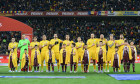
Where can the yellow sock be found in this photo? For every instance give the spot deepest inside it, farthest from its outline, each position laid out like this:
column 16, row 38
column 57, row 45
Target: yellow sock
column 16, row 68
column 119, row 68
column 107, row 65
column 94, row 66
column 82, row 67
column 46, row 66
column 41, row 66
column 31, row 68
column 58, row 66
column 88, row 68
column 104, row 66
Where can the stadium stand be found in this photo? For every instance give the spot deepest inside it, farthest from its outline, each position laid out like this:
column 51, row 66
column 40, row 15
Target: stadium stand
column 70, row 5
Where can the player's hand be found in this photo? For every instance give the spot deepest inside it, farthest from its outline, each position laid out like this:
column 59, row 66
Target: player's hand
column 80, row 46
column 114, row 41
column 45, row 44
column 93, row 44
column 68, row 44
column 122, row 43
column 24, row 43
column 125, row 43
column 102, row 58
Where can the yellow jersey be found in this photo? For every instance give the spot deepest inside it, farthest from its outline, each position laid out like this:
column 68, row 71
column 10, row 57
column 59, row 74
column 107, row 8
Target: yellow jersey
column 90, row 42
column 33, row 44
column 12, row 45
column 68, row 47
column 120, row 42
column 78, row 44
column 42, row 43
column 57, row 46
column 110, row 42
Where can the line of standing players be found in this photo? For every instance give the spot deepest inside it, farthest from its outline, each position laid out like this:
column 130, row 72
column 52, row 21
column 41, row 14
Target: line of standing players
column 71, row 53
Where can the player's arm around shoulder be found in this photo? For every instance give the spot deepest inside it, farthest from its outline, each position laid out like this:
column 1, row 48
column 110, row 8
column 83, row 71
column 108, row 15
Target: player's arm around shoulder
column 61, row 41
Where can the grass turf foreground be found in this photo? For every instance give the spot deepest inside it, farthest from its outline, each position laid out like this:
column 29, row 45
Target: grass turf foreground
column 91, row 77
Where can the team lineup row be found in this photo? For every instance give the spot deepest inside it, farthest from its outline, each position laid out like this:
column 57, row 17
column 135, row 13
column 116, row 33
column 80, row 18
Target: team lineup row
column 119, row 51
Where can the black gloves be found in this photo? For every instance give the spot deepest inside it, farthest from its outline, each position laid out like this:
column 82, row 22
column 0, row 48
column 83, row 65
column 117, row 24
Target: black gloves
column 56, row 42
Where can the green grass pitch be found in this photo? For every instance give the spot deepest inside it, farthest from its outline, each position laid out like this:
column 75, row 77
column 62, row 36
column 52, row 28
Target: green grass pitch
column 91, row 77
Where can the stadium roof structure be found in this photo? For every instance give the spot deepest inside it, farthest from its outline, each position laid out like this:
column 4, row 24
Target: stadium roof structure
column 9, row 24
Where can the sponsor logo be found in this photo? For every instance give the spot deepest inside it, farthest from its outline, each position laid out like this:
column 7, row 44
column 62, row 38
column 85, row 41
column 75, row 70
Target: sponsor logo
column 103, row 13
column 82, row 13
column 21, row 13
column 52, row 13
column 111, row 13
column 36, row 13
column 67, row 13
column 129, row 13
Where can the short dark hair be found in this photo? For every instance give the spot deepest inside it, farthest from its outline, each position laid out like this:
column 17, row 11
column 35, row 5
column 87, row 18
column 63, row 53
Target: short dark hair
column 125, row 41
column 100, row 41
column 73, row 44
column 25, row 49
column 116, row 46
column 50, row 45
column 35, row 45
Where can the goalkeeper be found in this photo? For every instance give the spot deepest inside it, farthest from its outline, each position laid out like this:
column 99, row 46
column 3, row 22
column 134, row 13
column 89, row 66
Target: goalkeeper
column 23, row 44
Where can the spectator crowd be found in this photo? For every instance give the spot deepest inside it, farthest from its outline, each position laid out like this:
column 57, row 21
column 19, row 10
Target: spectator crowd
column 5, row 39
column 69, row 5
